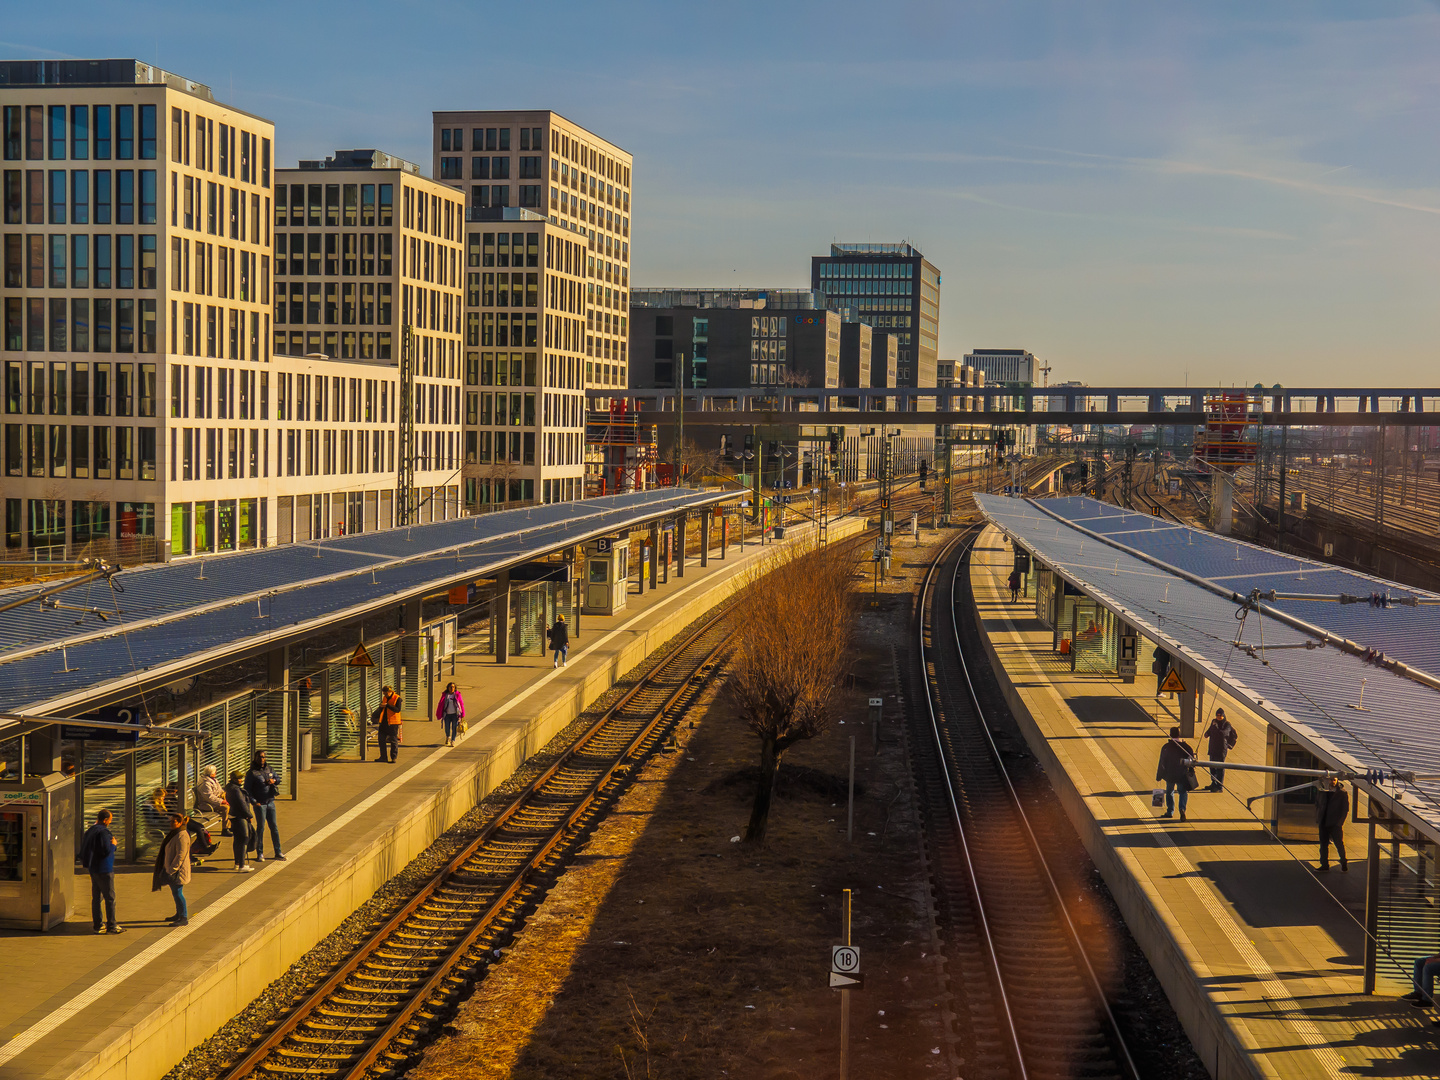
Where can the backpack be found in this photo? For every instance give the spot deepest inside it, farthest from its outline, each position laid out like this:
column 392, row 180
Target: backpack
column 1231, row 738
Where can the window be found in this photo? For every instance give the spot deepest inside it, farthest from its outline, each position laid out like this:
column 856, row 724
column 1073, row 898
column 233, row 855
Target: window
column 12, row 137
column 80, row 197
column 57, row 132
column 147, row 131
column 452, row 168
column 79, row 132
column 500, row 168
column 147, row 195
column 102, row 132
column 125, row 132
column 102, row 196
column 125, row 196
column 387, row 207
column 529, row 166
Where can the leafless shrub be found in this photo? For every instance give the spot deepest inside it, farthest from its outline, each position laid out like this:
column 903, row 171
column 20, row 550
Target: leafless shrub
column 797, row 618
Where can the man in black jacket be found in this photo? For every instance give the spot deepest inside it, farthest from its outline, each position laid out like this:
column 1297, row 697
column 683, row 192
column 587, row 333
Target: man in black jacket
column 97, row 855
column 1221, row 736
column 1332, row 807
column 1175, row 769
column 560, row 641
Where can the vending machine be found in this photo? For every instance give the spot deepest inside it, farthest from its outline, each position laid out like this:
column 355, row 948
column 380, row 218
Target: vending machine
column 37, row 851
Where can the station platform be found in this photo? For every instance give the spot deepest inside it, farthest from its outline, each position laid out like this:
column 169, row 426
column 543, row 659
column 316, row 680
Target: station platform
column 77, row 1005
column 1260, row 956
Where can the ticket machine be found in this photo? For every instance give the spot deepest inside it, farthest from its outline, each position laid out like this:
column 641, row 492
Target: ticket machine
column 37, row 851
column 607, row 570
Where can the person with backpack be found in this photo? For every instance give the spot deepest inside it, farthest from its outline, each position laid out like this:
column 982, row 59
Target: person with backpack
column 1222, row 738
column 387, row 717
column 97, row 855
column 1014, row 583
column 450, row 711
column 172, row 868
column 261, row 787
column 559, row 636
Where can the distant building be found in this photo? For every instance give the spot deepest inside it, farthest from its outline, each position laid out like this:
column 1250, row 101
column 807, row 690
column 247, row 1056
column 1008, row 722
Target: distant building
column 733, row 338
column 1005, row 366
column 889, row 287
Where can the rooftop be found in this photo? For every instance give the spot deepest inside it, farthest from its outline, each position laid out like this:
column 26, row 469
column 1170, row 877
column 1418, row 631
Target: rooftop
column 95, row 73
column 363, row 159
column 758, row 299
column 902, row 250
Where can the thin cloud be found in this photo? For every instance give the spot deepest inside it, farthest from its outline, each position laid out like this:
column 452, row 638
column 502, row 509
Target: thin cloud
column 1146, row 222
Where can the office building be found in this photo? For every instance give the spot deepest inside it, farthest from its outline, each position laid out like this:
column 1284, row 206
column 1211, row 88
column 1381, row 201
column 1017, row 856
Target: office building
column 890, row 287
column 856, row 342
column 1005, row 366
column 547, row 241
column 148, row 414
column 733, row 338
column 137, row 255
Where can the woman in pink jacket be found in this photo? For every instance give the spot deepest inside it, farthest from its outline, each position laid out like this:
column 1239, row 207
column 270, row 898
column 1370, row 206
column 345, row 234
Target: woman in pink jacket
column 450, row 712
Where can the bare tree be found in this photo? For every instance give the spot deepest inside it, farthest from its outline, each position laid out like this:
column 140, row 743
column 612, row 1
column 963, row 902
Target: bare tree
column 796, row 620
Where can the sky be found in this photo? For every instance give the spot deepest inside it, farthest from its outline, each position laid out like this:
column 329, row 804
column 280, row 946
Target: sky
column 1138, row 193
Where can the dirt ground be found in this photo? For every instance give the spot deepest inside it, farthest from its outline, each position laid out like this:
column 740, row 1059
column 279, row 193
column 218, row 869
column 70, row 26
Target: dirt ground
column 670, row 949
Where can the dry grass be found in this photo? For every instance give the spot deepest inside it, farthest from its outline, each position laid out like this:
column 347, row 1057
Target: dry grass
column 669, row 951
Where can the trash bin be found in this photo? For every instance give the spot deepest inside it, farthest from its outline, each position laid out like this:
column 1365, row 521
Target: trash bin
column 779, row 532
column 307, row 749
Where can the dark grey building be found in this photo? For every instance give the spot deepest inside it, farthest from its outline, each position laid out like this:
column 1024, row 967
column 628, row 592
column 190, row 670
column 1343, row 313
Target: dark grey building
column 889, row 287
column 855, row 345
column 732, row 338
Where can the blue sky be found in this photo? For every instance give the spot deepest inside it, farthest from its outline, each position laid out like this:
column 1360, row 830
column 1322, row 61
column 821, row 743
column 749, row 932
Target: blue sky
column 1137, row 192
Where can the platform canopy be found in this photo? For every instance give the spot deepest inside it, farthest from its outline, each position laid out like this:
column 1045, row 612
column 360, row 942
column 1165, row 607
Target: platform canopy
column 180, row 618
column 1185, row 589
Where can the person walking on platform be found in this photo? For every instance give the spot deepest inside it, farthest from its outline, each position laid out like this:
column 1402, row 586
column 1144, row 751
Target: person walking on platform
column 560, row 641
column 389, row 722
column 172, row 868
column 1332, row 807
column 1222, row 738
column 1176, row 771
column 241, row 819
column 450, row 712
column 97, row 855
column 261, row 787
column 1014, row 584
column 210, row 798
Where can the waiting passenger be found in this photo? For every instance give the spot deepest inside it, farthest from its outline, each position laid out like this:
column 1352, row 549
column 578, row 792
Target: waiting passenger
column 210, row 798
column 1423, row 978
column 1014, row 584
column 1332, row 807
column 559, row 636
column 1160, row 665
column 172, row 868
column 1177, row 772
column 1222, row 738
column 241, row 819
column 155, row 817
column 261, row 787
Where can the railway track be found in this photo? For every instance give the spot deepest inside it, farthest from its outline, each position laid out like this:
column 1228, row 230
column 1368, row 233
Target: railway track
column 372, row 1014
column 1030, row 996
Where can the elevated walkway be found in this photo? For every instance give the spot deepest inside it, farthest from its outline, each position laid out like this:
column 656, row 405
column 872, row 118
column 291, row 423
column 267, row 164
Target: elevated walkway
column 1261, row 957
column 77, row 1005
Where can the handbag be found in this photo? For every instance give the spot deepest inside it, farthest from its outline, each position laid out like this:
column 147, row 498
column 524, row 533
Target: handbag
column 1191, row 780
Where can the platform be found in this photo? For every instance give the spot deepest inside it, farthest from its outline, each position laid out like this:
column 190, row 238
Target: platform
column 78, row 1006
column 1260, row 956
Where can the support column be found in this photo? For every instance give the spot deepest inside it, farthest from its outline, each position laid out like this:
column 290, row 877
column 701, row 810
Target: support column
column 278, row 668
column 1190, row 699
column 1222, row 490
column 724, row 535
column 705, row 516
column 654, row 553
column 500, row 617
column 680, row 545
column 1372, row 901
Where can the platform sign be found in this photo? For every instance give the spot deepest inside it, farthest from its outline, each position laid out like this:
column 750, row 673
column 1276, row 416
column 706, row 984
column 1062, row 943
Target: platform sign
column 1127, row 656
column 112, row 715
column 844, row 959
column 1172, row 683
column 846, row 982
column 603, row 545
column 1155, row 510
column 361, row 657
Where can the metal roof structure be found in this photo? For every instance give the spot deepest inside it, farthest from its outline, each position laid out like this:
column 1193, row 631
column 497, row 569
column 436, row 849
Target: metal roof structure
column 1178, row 586
column 180, row 618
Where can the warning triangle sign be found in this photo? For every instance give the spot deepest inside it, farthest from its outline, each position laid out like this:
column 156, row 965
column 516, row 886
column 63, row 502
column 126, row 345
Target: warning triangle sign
column 361, row 657
column 1171, row 685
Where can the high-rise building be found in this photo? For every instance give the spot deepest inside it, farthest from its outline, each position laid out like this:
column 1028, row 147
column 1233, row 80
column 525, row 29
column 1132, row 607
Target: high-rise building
column 137, row 282
column 547, row 282
column 889, row 287
column 149, row 413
